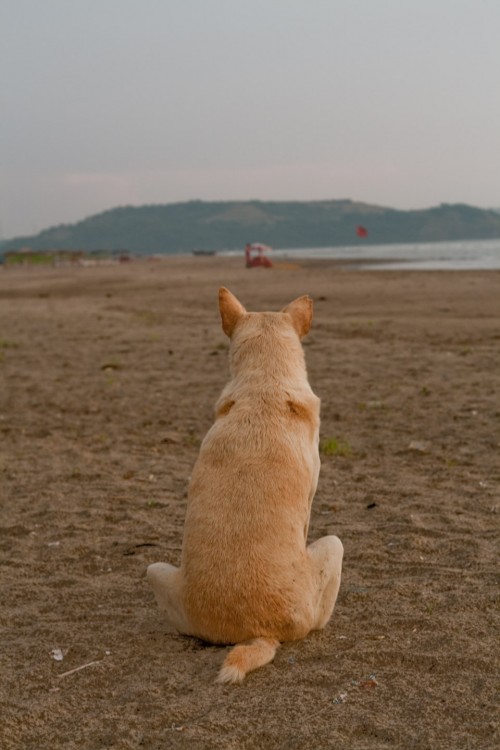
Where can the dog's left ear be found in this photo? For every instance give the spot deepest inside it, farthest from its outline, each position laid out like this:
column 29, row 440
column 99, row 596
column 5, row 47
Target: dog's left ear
column 231, row 310
column 301, row 313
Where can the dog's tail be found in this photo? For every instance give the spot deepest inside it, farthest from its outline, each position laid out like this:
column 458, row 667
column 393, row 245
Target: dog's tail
column 246, row 656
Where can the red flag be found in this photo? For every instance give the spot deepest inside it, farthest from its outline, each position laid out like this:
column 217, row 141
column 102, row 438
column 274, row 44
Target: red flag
column 361, row 231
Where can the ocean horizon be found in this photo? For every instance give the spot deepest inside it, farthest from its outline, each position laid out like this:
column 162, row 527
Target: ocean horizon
column 461, row 255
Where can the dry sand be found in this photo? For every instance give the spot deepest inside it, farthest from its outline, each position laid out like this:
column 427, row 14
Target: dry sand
column 109, row 377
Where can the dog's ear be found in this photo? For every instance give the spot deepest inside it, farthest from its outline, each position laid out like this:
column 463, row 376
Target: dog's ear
column 231, row 310
column 301, row 313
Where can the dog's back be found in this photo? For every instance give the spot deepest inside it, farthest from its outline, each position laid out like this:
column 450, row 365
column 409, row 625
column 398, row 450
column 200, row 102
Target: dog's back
column 246, row 575
column 250, row 492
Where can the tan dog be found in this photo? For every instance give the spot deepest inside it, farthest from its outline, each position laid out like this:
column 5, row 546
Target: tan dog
column 246, row 575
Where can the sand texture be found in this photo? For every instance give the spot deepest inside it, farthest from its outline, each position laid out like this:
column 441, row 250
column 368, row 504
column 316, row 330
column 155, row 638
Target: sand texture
column 108, row 381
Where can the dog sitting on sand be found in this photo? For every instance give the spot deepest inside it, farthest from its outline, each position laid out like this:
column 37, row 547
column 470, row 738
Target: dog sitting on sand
column 246, row 575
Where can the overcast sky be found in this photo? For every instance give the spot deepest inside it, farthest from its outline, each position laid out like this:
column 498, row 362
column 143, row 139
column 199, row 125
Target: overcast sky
column 113, row 102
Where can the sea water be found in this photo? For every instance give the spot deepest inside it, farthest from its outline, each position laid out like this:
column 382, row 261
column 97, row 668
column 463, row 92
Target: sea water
column 466, row 255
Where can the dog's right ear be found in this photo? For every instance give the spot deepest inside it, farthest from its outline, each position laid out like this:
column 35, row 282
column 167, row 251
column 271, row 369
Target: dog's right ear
column 231, row 310
column 301, row 313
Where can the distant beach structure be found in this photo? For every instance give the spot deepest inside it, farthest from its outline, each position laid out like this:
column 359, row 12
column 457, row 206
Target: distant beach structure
column 255, row 255
column 63, row 257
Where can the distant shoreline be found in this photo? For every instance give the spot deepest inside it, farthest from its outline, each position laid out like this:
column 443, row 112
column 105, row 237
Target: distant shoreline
column 218, row 225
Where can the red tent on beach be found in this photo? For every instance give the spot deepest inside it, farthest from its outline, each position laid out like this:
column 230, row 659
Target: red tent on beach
column 255, row 255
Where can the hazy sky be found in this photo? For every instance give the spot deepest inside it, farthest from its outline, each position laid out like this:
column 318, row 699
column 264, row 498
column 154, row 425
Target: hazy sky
column 112, row 102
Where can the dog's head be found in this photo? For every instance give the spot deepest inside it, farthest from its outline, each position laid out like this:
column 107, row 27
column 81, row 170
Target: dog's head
column 265, row 346
column 265, row 342
column 296, row 315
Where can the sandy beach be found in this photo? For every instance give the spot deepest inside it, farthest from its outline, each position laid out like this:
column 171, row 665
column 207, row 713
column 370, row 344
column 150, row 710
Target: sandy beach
column 109, row 377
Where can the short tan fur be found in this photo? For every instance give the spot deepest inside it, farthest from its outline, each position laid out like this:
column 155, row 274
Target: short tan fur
column 246, row 575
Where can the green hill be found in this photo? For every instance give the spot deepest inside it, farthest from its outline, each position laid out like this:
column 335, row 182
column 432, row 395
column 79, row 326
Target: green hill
column 182, row 227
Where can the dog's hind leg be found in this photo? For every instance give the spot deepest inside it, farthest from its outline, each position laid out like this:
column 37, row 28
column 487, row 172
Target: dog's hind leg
column 166, row 582
column 325, row 556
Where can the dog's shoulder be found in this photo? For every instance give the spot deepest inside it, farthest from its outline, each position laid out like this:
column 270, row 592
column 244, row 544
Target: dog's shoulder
column 300, row 409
